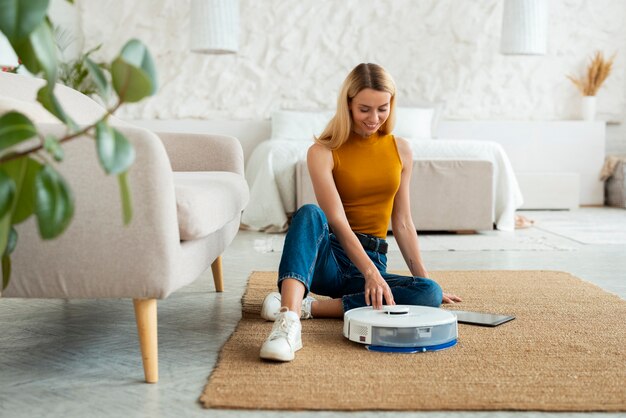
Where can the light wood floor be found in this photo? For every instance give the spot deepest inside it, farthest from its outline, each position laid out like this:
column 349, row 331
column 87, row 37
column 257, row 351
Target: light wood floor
column 80, row 358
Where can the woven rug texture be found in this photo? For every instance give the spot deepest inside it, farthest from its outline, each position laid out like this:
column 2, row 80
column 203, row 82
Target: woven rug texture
column 565, row 351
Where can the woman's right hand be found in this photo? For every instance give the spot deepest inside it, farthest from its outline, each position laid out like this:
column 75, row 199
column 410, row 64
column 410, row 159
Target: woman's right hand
column 377, row 291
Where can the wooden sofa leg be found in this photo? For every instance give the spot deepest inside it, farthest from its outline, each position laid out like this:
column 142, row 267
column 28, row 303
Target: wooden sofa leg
column 218, row 278
column 146, row 317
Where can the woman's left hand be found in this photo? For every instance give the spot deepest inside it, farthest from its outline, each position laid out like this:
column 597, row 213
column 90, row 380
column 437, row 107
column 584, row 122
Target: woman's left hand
column 450, row 298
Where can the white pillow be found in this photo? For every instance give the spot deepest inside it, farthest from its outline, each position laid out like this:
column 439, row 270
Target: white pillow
column 298, row 125
column 438, row 108
column 414, row 122
column 419, row 122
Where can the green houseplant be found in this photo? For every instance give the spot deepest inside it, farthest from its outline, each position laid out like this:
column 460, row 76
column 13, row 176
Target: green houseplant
column 29, row 183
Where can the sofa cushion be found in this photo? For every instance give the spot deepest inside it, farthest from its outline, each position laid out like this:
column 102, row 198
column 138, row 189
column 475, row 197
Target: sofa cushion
column 32, row 110
column 206, row 201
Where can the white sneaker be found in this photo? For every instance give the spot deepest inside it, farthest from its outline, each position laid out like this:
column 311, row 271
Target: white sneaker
column 272, row 304
column 285, row 338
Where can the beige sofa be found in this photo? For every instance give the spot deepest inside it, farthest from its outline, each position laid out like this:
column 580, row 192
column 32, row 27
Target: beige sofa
column 188, row 192
column 446, row 195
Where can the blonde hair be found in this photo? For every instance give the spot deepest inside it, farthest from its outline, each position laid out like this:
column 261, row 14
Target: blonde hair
column 363, row 76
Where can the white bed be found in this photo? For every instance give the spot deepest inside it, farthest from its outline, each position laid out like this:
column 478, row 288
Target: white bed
column 270, row 173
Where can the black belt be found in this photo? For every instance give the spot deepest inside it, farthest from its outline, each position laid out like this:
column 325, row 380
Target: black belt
column 372, row 243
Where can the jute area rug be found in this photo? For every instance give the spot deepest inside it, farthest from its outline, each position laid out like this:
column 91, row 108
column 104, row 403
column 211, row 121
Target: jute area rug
column 564, row 352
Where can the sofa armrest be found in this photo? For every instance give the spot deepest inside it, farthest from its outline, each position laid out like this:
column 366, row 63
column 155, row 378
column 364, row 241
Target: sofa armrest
column 97, row 256
column 200, row 152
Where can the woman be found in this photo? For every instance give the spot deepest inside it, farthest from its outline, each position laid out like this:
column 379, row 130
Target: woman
column 360, row 174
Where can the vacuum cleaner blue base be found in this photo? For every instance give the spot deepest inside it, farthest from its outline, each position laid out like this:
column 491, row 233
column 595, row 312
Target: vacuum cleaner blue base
column 410, row 350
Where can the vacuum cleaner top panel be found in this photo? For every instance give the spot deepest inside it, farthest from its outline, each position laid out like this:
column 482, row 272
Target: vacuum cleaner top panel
column 400, row 316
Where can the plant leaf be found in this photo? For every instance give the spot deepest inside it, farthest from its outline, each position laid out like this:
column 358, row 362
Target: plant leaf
column 116, row 154
column 54, row 203
column 15, row 128
column 19, row 18
column 6, row 271
column 52, row 145
column 28, row 57
column 127, row 205
column 23, row 171
column 5, row 229
column 46, row 97
column 97, row 75
column 7, row 194
column 42, row 42
column 11, row 242
column 6, row 257
column 134, row 73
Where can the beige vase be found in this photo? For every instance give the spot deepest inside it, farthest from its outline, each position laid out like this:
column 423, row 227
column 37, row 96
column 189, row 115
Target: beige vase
column 588, row 107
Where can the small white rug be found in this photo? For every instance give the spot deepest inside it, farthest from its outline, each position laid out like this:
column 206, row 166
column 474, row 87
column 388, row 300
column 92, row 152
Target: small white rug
column 600, row 225
column 531, row 239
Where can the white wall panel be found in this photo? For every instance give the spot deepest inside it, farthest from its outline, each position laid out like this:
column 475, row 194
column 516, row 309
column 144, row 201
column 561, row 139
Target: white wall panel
column 295, row 53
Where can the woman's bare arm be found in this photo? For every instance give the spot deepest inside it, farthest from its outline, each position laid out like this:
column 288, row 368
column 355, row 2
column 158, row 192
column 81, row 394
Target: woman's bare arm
column 402, row 221
column 320, row 164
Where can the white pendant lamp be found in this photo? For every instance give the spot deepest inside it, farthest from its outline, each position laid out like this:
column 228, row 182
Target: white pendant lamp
column 215, row 26
column 524, row 27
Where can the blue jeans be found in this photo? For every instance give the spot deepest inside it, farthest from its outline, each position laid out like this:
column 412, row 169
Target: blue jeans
column 314, row 257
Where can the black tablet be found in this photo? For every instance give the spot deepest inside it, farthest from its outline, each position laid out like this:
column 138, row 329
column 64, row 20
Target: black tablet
column 481, row 318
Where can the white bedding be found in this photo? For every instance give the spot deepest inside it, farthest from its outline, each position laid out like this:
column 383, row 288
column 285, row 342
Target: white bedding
column 271, row 175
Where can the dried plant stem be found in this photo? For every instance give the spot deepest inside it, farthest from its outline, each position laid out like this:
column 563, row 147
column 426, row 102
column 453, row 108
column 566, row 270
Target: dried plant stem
column 597, row 72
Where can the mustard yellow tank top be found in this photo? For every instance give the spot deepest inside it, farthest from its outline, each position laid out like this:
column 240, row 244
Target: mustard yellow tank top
column 367, row 175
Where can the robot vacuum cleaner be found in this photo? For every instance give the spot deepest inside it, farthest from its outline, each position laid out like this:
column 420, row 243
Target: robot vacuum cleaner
column 401, row 328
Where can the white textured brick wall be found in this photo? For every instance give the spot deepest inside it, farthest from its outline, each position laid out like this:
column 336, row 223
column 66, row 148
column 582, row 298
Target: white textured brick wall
column 295, row 53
